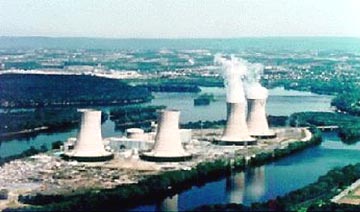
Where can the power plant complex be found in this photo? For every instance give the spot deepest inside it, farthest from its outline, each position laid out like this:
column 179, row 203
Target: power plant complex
column 245, row 123
column 160, row 153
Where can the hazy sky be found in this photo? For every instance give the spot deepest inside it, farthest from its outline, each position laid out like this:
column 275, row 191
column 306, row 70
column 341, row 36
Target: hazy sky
column 179, row 18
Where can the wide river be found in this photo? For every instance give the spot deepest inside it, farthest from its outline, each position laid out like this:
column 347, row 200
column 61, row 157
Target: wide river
column 253, row 185
column 268, row 181
column 280, row 102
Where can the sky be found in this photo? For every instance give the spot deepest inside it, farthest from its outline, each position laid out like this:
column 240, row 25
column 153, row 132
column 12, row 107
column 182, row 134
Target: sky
column 179, row 18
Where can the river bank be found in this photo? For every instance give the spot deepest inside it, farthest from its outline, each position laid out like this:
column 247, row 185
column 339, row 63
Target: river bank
column 315, row 196
column 167, row 180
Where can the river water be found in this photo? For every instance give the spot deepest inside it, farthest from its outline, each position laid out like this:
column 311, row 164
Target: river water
column 268, row 181
column 280, row 102
column 253, row 185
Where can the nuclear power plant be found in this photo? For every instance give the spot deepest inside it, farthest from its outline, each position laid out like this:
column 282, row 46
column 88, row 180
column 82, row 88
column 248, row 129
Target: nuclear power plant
column 89, row 145
column 236, row 131
column 168, row 146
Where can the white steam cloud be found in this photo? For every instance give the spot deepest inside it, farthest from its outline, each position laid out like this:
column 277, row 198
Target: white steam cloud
column 238, row 75
column 233, row 72
column 253, row 88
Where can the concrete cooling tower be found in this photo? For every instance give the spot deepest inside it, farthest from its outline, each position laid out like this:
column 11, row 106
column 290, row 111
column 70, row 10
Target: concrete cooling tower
column 236, row 131
column 167, row 147
column 256, row 119
column 89, row 146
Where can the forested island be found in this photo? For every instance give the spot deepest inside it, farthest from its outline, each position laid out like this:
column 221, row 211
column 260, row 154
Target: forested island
column 37, row 90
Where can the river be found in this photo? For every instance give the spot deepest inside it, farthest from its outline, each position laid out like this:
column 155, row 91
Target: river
column 268, row 181
column 280, row 102
column 253, row 185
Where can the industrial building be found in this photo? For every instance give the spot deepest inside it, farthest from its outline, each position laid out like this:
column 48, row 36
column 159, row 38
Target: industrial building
column 89, row 145
column 168, row 146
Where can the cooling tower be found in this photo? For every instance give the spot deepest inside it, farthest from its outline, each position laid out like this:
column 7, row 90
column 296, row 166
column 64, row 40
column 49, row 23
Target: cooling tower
column 89, row 146
column 256, row 119
column 167, row 147
column 236, row 131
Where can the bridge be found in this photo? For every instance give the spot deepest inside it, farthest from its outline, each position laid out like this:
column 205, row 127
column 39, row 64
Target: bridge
column 328, row 128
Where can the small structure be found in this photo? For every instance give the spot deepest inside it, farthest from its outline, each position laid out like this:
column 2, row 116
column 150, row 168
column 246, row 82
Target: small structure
column 135, row 133
column 135, row 139
column 168, row 146
column 89, row 145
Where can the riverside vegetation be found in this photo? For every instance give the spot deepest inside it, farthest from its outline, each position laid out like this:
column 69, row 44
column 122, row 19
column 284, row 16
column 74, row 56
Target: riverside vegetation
column 349, row 126
column 164, row 184
column 313, row 197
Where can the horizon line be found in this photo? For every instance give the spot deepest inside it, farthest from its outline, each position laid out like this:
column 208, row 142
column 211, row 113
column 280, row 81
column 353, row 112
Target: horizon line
column 178, row 38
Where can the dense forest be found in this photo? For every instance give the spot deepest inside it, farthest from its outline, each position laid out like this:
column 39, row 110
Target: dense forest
column 349, row 126
column 33, row 90
column 348, row 102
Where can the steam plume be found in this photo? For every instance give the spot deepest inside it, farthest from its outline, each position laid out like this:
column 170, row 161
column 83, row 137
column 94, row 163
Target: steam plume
column 234, row 70
column 238, row 75
column 253, row 88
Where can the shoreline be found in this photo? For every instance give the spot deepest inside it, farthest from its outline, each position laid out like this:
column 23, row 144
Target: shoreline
column 169, row 182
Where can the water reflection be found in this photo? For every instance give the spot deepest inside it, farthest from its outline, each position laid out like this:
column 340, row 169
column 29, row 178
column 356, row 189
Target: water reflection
column 168, row 204
column 235, row 188
column 243, row 187
column 247, row 186
column 255, row 183
column 271, row 180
